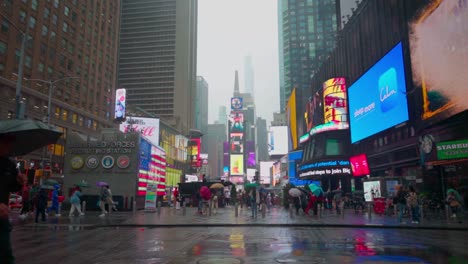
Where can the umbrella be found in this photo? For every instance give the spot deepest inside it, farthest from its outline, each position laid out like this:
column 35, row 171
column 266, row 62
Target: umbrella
column 47, row 187
column 50, row 182
column 295, row 192
column 456, row 193
column 28, row 135
column 317, row 190
column 250, row 185
column 101, row 184
column 217, row 185
column 205, row 193
column 263, row 190
column 227, row 183
column 83, row 184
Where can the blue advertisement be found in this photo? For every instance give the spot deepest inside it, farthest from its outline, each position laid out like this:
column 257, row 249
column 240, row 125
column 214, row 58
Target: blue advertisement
column 377, row 100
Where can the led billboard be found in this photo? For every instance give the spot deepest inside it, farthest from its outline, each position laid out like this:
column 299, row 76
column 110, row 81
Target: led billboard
column 251, row 157
column 265, row 175
column 120, row 99
column 236, row 141
column 148, row 127
column 377, row 100
column 292, row 121
column 237, row 165
column 335, row 105
column 251, row 174
column 236, row 122
column 278, row 140
column 195, row 152
column 439, row 58
column 237, row 103
column 226, row 163
column 314, row 110
column 359, row 165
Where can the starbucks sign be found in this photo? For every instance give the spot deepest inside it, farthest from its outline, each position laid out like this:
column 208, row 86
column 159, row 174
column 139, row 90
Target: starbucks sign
column 452, row 149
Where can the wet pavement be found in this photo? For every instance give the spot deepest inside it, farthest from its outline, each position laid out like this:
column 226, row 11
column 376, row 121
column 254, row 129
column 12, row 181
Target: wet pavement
column 171, row 237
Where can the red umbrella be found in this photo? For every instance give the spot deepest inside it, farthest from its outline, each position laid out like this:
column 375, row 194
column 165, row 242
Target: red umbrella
column 205, row 193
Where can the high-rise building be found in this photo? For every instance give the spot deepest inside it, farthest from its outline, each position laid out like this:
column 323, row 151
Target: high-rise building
column 249, row 77
column 201, row 106
column 262, row 140
column 307, row 33
column 157, row 58
column 71, row 48
column 222, row 115
column 213, row 140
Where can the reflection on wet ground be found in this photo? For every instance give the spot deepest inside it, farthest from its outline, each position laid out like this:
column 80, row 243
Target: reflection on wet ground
column 238, row 245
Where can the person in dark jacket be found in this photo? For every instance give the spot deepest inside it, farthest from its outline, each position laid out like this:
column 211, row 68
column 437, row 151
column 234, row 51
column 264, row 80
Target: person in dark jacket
column 400, row 200
column 41, row 205
column 10, row 181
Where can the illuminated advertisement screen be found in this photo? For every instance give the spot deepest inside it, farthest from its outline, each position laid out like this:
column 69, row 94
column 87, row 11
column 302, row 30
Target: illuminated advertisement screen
column 377, row 100
column 237, row 164
column 359, row 165
column 237, row 103
column 236, row 141
column 251, row 157
column 120, row 99
column 371, row 189
column 314, row 110
column 226, row 162
column 291, row 117
column 265, row 168
column 195, row 152
column 278, row 140
column 148, row 128
column 251, row 174
column 335, row 106
column 236, row 122
column 439, row 58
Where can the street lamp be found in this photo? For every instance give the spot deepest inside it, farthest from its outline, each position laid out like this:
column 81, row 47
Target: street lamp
column 51, row 88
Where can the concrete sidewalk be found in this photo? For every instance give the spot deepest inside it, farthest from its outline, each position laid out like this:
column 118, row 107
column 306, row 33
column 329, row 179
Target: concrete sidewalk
column 170, row 217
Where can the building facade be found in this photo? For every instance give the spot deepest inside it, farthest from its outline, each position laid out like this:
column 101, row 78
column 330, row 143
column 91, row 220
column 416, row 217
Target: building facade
column 213, row 140
column 157, row 58
column 201, row 106
column 71, row 45
column 249, row 76
column 307, row 33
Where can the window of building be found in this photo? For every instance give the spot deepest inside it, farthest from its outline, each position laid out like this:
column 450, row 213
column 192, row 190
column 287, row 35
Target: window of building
column 32, row 22
column 65, row 27
column 27, row 61
column 46, row 12
column 53, row 35
column 73, row 16
column 74, row 118
column 5, row 26
column 40, row 67
column 51, row 53
column 45, row 30
column 22, row 16
column 71, row 47
column 64, row 115
column 80, row 121
column 34, row 4
column 56, row 3
column 66, row 10
column 54, row 19
column 3, row 48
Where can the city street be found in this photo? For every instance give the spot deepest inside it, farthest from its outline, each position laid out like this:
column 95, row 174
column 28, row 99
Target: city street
column 223, row 238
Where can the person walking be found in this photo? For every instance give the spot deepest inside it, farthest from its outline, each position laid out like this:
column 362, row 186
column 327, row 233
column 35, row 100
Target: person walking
column 25, row 209
column 10, row 181
column 109, row 199
column 102, row 200
column 41, row 205
column 254, row 198
column 75, row 201
column 455, row 205
column 413, row 203
column 400, row 200
column 215, row 203
column 268, row 201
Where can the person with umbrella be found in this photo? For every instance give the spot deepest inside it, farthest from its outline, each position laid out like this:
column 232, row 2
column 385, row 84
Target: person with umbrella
column 75, row 201
column 254, row 198
column 10, row 181
column 455, row 202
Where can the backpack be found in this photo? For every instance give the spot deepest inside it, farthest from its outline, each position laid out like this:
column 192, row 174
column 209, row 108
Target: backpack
column 412, row 199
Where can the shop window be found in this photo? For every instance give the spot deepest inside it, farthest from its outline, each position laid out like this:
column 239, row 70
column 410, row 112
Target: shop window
column 74, row 118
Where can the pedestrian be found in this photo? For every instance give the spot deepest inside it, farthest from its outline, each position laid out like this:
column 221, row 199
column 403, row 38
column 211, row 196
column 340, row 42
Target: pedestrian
column 104, row 193
column 455, row 205
column 254, row 198
column 400, row 201
column 200, row 203
column 413, row 203
column 215, row 202
column 311, row 204
column 297, row 204
column 25, row 209
column 55, row 201
column 10, row 181
column 41, row 205
column 268, row 201
column 109, row 200
column 338, row 200
column 75, row 201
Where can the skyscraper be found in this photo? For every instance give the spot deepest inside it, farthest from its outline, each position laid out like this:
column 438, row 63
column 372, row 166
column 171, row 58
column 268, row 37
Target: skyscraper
column 307, row 33
column 201, row 105
column 157, row 58
column 249, row 77
column 222, row 115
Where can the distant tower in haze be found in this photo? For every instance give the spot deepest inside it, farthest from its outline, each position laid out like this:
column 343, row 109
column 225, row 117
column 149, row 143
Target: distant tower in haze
column 222, row 115
column 249, row 80
column 236, row 84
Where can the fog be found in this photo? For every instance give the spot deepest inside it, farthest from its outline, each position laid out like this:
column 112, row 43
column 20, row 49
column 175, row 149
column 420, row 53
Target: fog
column 228, row 31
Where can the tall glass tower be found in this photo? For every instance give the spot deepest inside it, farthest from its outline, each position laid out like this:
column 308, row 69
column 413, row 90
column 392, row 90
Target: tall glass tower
column 307, row 33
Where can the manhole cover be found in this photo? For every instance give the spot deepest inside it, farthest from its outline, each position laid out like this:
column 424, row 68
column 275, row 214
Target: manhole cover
column 220, row 261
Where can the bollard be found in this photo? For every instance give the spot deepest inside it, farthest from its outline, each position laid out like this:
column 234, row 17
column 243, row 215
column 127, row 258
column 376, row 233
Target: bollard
column 236, row 210
column 291, row 214
column 263, row 210
column 134, row 207
column 84, row 207
column 184, row 208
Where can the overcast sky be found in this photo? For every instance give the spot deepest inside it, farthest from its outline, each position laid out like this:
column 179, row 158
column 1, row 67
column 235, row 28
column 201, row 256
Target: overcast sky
column 227, row 32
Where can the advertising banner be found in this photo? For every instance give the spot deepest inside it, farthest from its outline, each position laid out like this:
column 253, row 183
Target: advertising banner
column 391, row 190
column 439, row 58
column 452, row 149
column 265, row 172
column 314, row 115
column 195, row 152
column 335, row 107
column 236, row 141
column 291, row 116
column 371, row 190
column 226, row 161
column 278, row 140
column 359, row 165
column 237, row 103
column 377, row 100
column 325, row 168
column 150, row 198
column 251, row 174
column 148, row 127
column 120, row 99
column 237, row 164
column 236, row 122
column 251, row 158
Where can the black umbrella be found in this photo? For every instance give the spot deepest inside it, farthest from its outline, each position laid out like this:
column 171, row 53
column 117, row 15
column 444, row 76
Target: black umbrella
column 28, row 135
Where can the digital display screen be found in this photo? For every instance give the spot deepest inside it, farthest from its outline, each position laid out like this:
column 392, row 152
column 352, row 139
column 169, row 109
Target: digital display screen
column 377, row 100
column 359, row 165
column 120, row 99
column 236, row 122
column 371, row 190
column 236, row 141
column 278, row 140
column 237, row 164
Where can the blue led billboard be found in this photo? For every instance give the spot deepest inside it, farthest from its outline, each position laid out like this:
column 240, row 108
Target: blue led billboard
column 377, row 100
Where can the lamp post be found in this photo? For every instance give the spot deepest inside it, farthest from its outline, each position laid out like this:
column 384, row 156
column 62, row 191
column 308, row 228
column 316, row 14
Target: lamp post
column 19, row 113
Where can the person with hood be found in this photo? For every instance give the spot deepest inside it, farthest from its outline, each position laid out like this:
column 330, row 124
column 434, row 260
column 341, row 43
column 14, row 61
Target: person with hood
column 55, row 201
column 10, row 181
column 41, row 205
column 75, row 201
